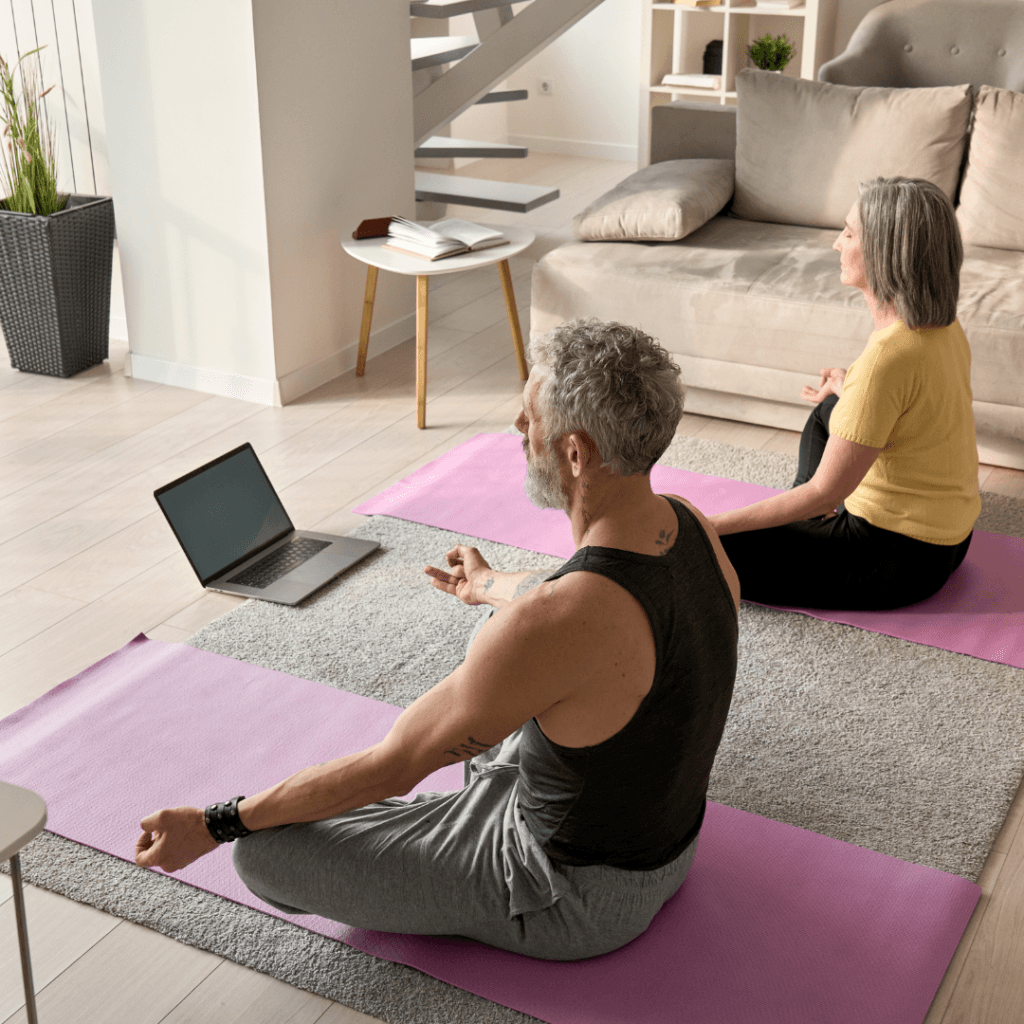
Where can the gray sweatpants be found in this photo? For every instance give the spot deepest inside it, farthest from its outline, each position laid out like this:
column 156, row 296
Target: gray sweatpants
column 459, row 864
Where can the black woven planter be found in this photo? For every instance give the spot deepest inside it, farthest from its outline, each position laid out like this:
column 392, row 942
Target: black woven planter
column 55, row 286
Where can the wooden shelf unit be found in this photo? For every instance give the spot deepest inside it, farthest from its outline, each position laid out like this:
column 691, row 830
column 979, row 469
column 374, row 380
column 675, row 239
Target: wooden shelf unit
column 674, row 37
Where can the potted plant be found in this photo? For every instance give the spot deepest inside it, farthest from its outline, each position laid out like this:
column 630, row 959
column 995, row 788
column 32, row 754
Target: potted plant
column 56, row 250
column 770, row 53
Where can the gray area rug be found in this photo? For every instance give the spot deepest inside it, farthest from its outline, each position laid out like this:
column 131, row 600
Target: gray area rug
column 908, row 750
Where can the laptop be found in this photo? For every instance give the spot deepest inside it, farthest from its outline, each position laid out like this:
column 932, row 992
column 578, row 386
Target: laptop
column 238, row 538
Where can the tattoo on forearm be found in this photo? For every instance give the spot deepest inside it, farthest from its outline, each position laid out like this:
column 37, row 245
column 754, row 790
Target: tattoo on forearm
column 489, row 583
column 470, row 748
column 527, row 583
column 665, row 539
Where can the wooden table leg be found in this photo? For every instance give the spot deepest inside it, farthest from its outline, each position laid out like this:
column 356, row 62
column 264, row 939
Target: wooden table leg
column 422, row 283
column 513, row 318
column 364, row 331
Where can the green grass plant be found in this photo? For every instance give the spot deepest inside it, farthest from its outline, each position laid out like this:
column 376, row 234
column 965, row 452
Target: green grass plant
column 770, row 53
column 28, row 169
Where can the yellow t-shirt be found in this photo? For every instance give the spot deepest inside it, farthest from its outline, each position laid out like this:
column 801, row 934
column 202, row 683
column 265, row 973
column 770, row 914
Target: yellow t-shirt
column 909, row 393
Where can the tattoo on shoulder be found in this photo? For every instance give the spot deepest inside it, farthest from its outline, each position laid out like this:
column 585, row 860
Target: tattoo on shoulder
column 470, row 748
column 665, row 539
column 527, row 583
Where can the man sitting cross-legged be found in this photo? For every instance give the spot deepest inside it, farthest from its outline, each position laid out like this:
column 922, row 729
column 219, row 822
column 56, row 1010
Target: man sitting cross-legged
column 591, row 706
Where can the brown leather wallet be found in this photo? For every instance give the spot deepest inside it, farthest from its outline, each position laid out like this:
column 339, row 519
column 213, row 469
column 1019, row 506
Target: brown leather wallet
column 376, row 227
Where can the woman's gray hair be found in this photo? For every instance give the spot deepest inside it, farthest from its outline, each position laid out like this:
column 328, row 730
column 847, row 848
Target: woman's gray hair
column 912, row 250
column 615, row 383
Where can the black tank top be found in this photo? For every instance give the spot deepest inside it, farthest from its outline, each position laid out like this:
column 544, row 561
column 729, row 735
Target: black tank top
column 637, row 799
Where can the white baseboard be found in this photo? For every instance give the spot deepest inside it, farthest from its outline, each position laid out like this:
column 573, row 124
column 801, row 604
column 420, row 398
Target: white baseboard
column 197, row 378
column 261, row 390
column 575, row 147
column 308, row 378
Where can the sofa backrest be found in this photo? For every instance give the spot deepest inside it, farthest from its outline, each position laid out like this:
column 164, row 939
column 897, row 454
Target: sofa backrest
column 911, row 43
column 692, row 131
column 802, row 147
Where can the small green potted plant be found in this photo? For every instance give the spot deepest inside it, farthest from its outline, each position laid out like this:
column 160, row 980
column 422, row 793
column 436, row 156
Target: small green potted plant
column 56, row 250
column 770, row 53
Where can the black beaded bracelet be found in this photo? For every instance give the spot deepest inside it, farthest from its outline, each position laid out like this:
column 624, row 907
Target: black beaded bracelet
column 224, row 823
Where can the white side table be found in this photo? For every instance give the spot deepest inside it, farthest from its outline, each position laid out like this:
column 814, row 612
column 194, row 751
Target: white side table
column 22, row 817
column 371, row 252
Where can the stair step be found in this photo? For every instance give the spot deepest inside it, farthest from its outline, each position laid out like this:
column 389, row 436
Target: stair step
column 450, row 8
column 430, row 51
column 504, row 96
column 441, row 146
column 492, row 195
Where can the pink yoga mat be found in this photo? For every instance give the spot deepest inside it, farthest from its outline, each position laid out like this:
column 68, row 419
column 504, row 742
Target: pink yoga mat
column 477, row 489
column 774, row 924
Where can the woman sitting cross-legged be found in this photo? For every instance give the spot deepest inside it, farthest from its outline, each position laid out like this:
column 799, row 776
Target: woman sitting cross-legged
column 891, row 443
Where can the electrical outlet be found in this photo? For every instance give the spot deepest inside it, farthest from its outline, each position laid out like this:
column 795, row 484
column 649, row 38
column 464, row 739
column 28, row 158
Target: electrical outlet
column 546, row 87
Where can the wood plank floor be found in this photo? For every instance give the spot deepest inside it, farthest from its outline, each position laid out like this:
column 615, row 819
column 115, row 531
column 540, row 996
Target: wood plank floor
column 86, row 563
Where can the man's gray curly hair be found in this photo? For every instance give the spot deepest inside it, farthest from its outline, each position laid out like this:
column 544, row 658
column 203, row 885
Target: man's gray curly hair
column 614, row 382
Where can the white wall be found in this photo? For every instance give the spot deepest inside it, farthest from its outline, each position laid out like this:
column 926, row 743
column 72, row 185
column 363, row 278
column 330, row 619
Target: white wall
column 183, row 136
column 335, row 106
column 245, row 136
column 594, row 106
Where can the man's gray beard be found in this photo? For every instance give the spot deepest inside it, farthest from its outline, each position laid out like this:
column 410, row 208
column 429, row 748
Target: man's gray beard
column 543, row 482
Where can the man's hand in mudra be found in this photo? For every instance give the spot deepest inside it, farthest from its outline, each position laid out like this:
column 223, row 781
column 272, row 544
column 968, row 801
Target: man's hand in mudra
column 474, row 582
column 172, row 838
column 469, row 574
column 832, row 380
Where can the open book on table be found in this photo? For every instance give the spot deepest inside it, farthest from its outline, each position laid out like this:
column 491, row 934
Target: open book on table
column 444, row 238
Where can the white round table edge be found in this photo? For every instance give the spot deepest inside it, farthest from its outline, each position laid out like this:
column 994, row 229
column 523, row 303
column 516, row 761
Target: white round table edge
column 371, row 252
column 23, row 819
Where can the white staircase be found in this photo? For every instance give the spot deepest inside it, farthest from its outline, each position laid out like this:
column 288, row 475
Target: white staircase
column 433, row 51
column 442, row 146
column 451, row 73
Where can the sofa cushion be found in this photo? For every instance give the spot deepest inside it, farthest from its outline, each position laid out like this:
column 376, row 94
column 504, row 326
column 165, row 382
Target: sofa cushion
column 661, row 203
column 991, row 210
column 802, row 147
column 768, row 295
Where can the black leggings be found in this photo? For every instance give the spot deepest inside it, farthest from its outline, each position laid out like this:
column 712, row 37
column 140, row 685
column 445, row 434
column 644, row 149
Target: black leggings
column 843, row 562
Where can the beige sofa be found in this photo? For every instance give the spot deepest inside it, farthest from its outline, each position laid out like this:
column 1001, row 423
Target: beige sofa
column 722, row 248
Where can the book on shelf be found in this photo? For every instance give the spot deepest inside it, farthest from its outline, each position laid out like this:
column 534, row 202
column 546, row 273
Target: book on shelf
column 694, row 81
column 699, row 3
column 442, row 239
column 784, row 4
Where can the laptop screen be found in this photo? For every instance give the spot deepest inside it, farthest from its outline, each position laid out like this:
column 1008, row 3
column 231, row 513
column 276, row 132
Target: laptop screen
column 224, row 512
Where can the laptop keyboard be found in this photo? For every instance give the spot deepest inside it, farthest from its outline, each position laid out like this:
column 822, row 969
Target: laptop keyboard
column 261, row 574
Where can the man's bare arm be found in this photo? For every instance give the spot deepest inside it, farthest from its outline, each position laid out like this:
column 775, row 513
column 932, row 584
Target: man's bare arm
column 520, row 665
column 518, row 668
column 473, row 581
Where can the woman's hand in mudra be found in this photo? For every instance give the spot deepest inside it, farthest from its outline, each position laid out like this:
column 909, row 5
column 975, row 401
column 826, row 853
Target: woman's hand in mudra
column 832, row 380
